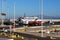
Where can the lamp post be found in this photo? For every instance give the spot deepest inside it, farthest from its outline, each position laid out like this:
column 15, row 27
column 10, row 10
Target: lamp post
column 3, row 11
column 42, row 17
column 3, row 16
column 14, row 16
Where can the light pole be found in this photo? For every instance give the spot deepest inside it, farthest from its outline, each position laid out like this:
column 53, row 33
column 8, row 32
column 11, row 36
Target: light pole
column 42, row 17
column 14, row 13
column 3, row 11
column 3, row 17
column 14, row 16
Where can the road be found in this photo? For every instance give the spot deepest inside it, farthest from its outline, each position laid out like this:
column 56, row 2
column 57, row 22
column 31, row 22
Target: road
column 31, row 31
column 4, row 38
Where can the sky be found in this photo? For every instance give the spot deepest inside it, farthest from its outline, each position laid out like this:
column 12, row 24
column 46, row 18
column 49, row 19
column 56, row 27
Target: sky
column 31, row 8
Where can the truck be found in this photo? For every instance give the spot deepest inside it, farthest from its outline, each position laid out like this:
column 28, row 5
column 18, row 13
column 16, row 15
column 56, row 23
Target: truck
column 35, row 21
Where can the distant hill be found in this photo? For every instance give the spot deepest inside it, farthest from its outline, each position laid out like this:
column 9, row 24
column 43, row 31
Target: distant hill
column 49, row 17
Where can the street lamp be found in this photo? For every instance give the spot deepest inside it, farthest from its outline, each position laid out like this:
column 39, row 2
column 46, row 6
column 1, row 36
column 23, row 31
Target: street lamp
column 14, row 16
column 42, row 17
column 3, row 11
column 3, row 16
